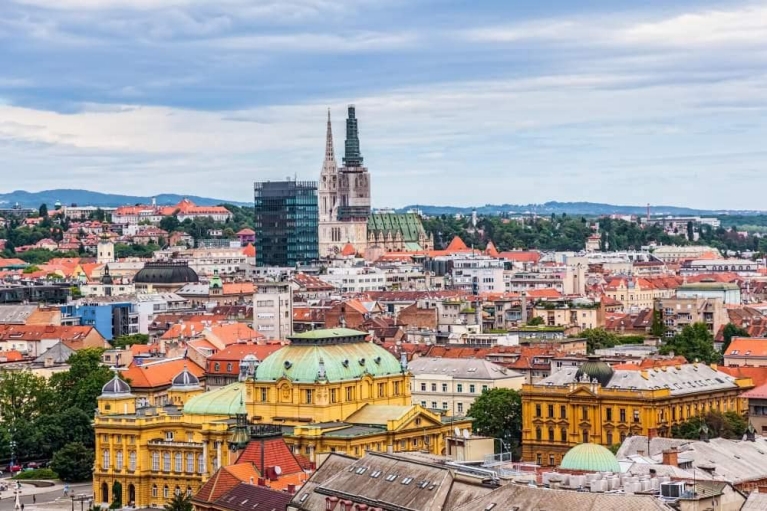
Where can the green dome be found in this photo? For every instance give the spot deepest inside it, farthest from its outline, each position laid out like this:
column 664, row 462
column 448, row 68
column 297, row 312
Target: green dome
column 336, row 362
column 224, row 401
column 595, row 369
column 591, row 458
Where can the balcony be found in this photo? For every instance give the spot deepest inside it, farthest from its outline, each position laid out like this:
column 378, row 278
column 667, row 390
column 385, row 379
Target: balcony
column 172, row 443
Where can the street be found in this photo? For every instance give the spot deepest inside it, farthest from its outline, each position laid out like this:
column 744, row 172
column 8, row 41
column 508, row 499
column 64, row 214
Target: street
column 46, row 498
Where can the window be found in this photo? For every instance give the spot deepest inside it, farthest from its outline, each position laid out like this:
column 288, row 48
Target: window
column 229, row 367
column 539, row 459
column 444, row 387
column 472, row 388
column 188, row 491
column 433, row 405
column 537, row 410
column 551, row 410
column 177, row 491
column 460, row 407
column 551, row 460
column 585, row 436
column 169, row 436
column 200, row 464
column 636, row 415
column 622, row 414
column 563, row 412
column 423, row 387
column 132, row 460
column 155, row 461
column 459, row 387
column 154, row 491
column 179, row 460
column 609, row 414
column 585, row 413
column 264, row 395
column 166, row 461
column 551, row 434
column 119, row 460
column 381, row 390
column 484, row 388
column 609, row 438
column 396, row 388
column 349, row 393
column 308, row 396
column 423, row 403
column 105, row 459
column 444, row 405
column 538, row 434
column 563, row 435
column 434, row 387
column 165, row 492
column 216, row 367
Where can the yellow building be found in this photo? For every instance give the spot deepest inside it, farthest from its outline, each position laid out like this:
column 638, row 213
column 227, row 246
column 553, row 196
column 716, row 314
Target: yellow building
column 330, row 390
column 600, row 405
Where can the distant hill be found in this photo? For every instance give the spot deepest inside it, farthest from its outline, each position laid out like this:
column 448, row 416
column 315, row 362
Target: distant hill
column 88, row 198
column 573, row 208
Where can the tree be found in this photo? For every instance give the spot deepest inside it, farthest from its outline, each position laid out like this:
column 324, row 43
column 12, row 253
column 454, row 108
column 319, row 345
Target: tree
column 536, row 321
column 729, row 332
column 180, row 502
column 730, row 425
column 658, row 329
column 695, row 343
column 81, row 384
column 690, row 231
column 73, row 463
column 43, row 210
column 598, row 338
column 497, row 413
column 59, row 429
column 170, row 223
column 117, row 493
column 23, row 396
column 125, row 341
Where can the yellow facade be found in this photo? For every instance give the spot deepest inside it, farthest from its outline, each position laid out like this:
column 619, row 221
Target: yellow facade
column 559, row 417
column 154, row 452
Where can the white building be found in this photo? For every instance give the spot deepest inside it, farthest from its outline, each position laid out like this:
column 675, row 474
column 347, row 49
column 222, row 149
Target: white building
column 273, row 309
column 727, row 292
column 485, row 272
column 205, row 261
column 673, row 253
column 454, row 383
column 718, row 265
column 356, row 279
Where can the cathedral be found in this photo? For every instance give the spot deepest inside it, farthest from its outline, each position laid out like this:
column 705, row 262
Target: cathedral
column 344, row 194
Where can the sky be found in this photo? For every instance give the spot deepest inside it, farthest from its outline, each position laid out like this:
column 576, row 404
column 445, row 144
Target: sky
column 459, row 102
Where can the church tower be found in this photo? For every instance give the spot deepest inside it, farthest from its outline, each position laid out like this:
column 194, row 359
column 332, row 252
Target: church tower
column 328, row 192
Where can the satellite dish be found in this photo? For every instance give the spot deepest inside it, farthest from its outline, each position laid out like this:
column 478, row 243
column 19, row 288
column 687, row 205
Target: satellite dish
column 277, row 470
column 457, row 432
column 466, row 433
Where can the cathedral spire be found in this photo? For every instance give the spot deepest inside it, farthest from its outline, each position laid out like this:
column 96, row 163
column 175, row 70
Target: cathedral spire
column 352, row 155
column 329, row 153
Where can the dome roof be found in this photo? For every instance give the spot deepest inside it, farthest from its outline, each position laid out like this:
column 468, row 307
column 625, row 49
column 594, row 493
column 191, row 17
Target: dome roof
column 250, row 357
column 591, row 458
column 226, row 401
column 335, row 362
column 595, row 369
column 165, row 272
column 116, row 387
column 185, row 379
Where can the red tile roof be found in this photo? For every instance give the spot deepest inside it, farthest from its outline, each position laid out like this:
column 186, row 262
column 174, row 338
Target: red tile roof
column 159, row 374
column 267, row 453
column 249, row 250
column 348, row 250
column 456, row 244
column 521, row 256
column 758, row 375
column 747, row 347
column 224, row 480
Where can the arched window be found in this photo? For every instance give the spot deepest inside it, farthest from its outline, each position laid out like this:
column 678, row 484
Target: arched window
column 166, row 461
column 178, row 462
column 563, row 433
column 119, row 460
column 165, row 491
column 188, row 491
column 200, row 464
column 154, row 491
column 551, row 434
column 105, row 459
column 177, row 491
column 190, row 463
column 538, row 434
column 155, row 461
column 132, row 460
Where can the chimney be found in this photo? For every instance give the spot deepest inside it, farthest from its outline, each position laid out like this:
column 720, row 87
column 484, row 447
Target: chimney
column 291, row 489
column 671, row 457
column 261, row 481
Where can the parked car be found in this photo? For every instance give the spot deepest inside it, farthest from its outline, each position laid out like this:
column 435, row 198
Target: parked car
column 34, row 465
column 14, row 468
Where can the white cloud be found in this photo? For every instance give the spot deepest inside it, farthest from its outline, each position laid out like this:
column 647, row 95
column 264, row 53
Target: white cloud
column 314, row 43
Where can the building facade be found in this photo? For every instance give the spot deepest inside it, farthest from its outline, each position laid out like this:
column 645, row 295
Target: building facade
column 677, row 313
column 596, row 404
column 273, row 309
column 286, row 223
column 344, row 194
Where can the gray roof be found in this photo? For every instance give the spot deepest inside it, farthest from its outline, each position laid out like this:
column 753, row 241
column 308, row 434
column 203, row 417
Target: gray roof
column 755, row 502
column 680, row 380
column 59, row 352
column 526, row 498
column 15, row 314
column 307, row 499
column 461, row 368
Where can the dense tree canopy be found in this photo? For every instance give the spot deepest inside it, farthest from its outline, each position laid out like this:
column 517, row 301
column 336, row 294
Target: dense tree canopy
column 730, row 425
column 73, row 463
column 695, row 343
column 729, row 332
column 180, row 502
column 497, row 413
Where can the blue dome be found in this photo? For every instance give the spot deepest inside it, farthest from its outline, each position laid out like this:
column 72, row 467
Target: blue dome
column 185, row 379
column 116, row 387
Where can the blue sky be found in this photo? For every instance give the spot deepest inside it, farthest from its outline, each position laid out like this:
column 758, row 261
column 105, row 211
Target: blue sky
column 460, row 102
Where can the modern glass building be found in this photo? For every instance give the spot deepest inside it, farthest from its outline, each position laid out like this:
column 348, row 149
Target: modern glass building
column 287, row 218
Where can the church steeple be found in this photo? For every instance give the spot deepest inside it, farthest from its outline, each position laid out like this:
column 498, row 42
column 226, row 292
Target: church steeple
column 352, row 155
column 329, row 164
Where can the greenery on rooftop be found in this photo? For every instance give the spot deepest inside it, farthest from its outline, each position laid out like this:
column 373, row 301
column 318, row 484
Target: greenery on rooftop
column 695, row 343
column 599, row 338
column 729, row 425
column 126, row 341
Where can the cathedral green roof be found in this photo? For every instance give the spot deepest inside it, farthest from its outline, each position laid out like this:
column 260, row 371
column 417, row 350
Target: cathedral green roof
column 345, row 361
column 407, row 224
column 224, row 401
column 591, row 458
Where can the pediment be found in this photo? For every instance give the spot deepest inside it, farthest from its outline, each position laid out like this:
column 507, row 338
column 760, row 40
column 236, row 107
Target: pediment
column 581, row 391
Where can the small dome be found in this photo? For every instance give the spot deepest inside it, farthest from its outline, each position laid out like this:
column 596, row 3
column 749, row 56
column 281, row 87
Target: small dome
column 250, row 357
column 115, row 387
column 165, row 272
column 595, row 369
column 590, row 458
column 185, row 379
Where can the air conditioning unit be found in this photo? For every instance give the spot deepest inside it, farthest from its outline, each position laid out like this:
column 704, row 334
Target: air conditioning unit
column 672, row 490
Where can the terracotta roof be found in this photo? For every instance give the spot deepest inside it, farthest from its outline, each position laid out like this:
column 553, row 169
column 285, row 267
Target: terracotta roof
column 152, row 375
column 758, row 375
column 491, row 250
column 747, row 347
column 310, row 282
column 249, row 250
column 224, row 480
column 72, row 336
column 236, row 352
column 652, row 363
column 245, row 496
column 348, row 250
column 759, row 392
column 456, row 244
column 233, row 332
column 246, row 232
column 310, row 314
column 238, row 288
column 521, row 256
column 544, row 293
column 268, row 453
